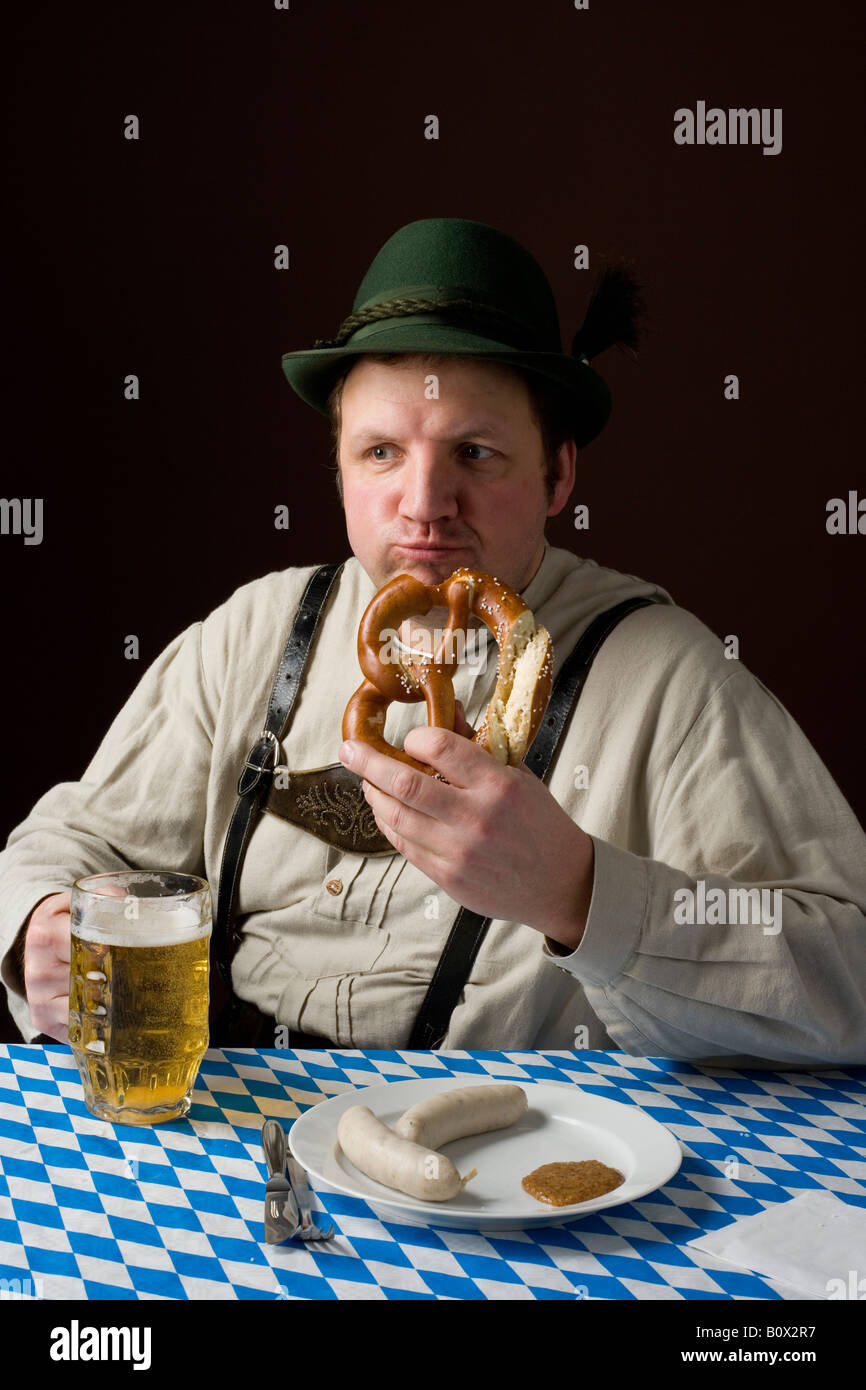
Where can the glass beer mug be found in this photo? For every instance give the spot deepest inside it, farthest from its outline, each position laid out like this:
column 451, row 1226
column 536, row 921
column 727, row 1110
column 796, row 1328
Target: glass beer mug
column 138, row 992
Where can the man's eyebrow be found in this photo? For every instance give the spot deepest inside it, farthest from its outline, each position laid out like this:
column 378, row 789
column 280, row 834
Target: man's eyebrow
column 472, row 429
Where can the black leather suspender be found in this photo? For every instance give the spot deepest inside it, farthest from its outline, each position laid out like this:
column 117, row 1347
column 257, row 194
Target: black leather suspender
column 253, row 781
column 469, row 929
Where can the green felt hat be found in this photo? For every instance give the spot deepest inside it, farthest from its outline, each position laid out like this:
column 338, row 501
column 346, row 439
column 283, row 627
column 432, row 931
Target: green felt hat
column 452, row 286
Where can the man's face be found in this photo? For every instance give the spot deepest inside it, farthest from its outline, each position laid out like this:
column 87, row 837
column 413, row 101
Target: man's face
column 431, row 485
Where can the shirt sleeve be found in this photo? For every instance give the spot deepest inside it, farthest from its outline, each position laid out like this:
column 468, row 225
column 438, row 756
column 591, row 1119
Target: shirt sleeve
column 141, row 802
column 677, row 959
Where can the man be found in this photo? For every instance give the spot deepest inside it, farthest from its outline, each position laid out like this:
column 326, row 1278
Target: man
column 622, row 892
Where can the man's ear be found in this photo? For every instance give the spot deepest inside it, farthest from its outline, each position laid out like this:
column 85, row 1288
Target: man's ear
column 566, row 460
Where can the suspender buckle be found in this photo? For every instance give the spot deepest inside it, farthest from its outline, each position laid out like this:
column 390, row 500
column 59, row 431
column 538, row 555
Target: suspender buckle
column 254, row 770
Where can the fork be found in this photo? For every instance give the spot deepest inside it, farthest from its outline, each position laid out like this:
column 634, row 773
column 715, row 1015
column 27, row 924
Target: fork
column 282, row 1219
column 307, row 1230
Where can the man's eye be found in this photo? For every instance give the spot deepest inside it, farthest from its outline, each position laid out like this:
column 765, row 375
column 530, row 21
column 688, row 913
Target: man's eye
column 377, row 452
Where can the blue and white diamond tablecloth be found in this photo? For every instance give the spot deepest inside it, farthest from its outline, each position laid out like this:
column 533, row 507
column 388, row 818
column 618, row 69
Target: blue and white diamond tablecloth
column 93, row 1210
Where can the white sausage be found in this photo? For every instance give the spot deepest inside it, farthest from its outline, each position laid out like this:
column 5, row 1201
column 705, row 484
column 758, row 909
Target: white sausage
column 467, row 1110
column 394, row 1161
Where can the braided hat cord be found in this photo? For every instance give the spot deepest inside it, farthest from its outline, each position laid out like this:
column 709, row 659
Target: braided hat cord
column 466, row 309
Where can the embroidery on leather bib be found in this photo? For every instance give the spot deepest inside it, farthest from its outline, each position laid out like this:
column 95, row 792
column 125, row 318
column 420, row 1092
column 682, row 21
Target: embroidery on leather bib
column 328, row 802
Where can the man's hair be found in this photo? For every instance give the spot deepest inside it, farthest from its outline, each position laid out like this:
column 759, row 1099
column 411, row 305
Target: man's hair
column 551, row 409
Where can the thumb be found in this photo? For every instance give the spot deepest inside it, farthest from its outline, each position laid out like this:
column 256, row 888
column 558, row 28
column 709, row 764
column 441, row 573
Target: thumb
column 461, row 724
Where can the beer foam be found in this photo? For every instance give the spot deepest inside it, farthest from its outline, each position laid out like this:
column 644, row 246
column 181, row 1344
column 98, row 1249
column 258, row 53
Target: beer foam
column 151, row 926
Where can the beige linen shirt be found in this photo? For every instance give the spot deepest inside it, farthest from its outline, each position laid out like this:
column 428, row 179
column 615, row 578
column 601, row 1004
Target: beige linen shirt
column 683, row 768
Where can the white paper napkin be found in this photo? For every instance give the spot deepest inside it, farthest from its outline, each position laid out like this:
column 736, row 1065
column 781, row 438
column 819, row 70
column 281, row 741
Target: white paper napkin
column 815, row 1243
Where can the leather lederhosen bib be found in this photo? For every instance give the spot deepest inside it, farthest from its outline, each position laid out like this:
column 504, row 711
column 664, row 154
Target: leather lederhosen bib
column 240, row 1024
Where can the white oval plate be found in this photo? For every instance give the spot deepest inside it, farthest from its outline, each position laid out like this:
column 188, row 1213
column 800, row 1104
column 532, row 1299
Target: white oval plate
column 562, row 1124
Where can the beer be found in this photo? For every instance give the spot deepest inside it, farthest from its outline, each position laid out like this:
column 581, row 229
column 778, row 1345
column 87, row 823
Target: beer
column 138, row 1002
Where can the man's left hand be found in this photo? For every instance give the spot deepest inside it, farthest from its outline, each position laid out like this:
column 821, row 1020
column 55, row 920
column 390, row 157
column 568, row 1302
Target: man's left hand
column 492, row 837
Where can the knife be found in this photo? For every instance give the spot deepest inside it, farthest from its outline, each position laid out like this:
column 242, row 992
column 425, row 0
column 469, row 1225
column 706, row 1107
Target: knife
column 281, row 1209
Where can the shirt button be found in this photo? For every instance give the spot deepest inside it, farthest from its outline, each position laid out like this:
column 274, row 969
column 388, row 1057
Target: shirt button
column 334, row 885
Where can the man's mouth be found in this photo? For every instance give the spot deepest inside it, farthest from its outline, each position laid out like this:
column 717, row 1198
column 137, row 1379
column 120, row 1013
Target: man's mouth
column 423, row 550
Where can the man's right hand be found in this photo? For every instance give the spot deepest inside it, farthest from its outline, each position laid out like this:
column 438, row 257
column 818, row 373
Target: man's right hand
column 46, row 965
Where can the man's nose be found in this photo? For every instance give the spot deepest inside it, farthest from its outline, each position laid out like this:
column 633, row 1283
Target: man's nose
column 429, row 486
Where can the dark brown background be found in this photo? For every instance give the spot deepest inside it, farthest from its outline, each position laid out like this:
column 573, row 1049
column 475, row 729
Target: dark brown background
column 307, row 127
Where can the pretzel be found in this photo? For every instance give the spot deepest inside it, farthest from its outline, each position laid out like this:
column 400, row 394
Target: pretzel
column 523, row 682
